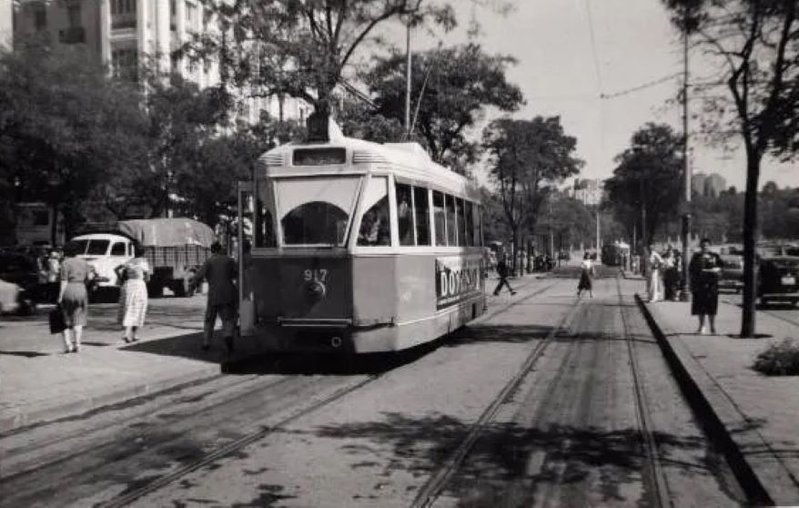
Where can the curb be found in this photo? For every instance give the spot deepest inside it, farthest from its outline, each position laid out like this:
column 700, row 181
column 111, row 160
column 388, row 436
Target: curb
column 708, row 419
column 18, row 421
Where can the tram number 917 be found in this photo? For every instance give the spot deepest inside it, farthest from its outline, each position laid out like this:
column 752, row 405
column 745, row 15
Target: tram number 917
column 317, row 274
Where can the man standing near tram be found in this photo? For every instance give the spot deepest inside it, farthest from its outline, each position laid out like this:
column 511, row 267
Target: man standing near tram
column 221, row 272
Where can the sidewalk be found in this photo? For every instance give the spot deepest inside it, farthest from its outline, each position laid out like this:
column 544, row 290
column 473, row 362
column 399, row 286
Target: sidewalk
column 758, row 415
column 39, row 383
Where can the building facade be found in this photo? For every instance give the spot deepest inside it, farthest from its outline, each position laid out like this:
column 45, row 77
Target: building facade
column 123, row 34
column 708, row 185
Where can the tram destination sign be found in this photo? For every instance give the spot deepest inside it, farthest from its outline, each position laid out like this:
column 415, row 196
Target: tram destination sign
column 319, row 156
column 457, row 278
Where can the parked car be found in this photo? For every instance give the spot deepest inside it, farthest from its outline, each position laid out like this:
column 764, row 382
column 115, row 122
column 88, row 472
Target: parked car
column 20, row 274
column 779, row 279
column 732, row 272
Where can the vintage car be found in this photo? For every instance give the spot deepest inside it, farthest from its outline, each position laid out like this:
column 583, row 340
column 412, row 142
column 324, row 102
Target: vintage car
column 20, row 276
column 732, row 272
column 779, row 279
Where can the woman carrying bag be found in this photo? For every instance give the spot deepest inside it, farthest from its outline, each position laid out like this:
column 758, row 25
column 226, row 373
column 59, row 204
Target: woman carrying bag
column 133, row 295
column 73, row 299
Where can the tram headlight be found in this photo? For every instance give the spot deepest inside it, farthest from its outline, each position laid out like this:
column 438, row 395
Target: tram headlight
column 315, row 290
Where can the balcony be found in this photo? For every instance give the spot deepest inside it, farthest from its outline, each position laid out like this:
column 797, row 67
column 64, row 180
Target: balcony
column 72, row 35
column 123, row 21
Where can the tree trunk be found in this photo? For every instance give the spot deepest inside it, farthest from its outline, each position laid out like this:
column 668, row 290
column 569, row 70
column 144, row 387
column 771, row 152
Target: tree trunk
column 515, row 249
column 749, row 240
column 54, row 226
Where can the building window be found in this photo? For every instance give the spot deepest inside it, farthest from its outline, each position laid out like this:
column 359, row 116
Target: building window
column 125, row 63
column 73, row 15
column 39, row 17
column 191, row 17
column 123, row 14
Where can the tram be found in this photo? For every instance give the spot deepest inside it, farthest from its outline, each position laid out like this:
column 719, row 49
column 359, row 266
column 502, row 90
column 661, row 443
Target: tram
column 358, row 247
column 615, row 254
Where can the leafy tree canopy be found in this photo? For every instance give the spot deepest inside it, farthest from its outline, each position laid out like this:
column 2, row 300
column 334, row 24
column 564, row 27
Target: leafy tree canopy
column 453, row 87
column 647, row 178
column 301, row 48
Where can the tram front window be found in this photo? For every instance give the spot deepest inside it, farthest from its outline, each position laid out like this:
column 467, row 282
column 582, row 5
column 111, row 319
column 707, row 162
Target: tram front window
column 375, row 224
column 315, row 210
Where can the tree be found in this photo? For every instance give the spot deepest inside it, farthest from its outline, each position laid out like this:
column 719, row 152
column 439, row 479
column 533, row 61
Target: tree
column 300, row 48
column 645, row 186
column 65, row 128
column 181, row 120
column 755, row 44
column 453, row 86
column 524, row 155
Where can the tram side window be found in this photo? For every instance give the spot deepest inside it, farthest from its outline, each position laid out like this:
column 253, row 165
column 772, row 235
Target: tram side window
column 375, row 224
column 468, row 219
column 405, row 214
column 463, row 239
column 439, row 218
column 452, row 221
column 265, row 233
column 422, row 207
column 478, row 225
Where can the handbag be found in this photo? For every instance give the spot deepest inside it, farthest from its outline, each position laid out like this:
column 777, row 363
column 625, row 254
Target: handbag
column 56, row 318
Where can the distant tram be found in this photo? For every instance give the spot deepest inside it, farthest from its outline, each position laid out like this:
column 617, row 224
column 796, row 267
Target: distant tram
column 615, row 254
column 359, row 247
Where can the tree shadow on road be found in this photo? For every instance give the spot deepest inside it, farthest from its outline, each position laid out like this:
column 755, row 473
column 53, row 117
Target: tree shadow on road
column 510, row 465
column 514, row 334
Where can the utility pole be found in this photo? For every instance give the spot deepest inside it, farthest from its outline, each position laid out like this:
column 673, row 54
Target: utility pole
column 408, row 63
column 598, row 241
column 686, row 216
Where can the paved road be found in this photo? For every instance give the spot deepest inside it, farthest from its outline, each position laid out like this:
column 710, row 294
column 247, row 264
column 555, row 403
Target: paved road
column 783, row 311
column 546, row 401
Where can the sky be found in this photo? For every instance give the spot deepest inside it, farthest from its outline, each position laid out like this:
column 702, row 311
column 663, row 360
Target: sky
column 562, row 73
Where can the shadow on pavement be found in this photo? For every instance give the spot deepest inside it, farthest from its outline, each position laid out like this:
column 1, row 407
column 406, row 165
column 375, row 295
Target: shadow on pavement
column 495, row 333
column 325, row 364
column 497, row 471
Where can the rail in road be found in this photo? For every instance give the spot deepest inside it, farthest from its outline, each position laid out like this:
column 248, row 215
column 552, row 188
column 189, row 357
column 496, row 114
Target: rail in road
column 653, row 473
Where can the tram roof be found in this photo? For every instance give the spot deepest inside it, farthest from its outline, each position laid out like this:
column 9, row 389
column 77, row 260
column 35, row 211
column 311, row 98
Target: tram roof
column 405, row 160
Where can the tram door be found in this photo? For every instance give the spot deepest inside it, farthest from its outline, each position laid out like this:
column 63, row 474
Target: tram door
column 244, row 241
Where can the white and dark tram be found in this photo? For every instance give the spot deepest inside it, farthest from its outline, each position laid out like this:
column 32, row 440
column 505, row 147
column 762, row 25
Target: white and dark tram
column 358, row 247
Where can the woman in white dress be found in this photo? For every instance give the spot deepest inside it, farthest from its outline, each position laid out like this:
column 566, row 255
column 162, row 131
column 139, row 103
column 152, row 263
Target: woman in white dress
column 655, row 276
column 133, row 295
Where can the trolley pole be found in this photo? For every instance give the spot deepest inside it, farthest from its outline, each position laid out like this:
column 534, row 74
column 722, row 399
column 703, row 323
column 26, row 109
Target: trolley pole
column 686, row 216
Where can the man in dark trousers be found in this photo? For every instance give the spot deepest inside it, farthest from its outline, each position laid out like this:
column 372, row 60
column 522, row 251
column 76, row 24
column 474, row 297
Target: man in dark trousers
column 502, row 271
column 221, row 272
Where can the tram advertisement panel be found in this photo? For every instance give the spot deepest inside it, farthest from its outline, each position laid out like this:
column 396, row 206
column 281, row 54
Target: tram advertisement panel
column 457, row 278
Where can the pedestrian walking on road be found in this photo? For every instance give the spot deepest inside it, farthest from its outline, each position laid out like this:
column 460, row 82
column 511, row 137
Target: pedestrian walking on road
column 73, row 298
column 502, row 271
column 133, row 295
column 655, row 276
column 704, row 269
column 586, row 276
column 221, row 273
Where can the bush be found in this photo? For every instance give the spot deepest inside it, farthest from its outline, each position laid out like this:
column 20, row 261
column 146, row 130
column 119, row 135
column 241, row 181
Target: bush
column 779, row 359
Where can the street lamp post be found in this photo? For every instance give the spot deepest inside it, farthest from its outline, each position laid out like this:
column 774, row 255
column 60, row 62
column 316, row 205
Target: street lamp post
column 686, row 216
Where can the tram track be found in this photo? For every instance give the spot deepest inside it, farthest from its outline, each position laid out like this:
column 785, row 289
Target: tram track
column 654, row 476
column 234, row 446
column 433, row 488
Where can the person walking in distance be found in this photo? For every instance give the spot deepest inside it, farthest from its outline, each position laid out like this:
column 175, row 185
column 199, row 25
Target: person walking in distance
column 133, row 294
column 655, row 276
column 586, row 276
column 73, row 297
column 221, row 272
column 704, row 270
column 502, row 271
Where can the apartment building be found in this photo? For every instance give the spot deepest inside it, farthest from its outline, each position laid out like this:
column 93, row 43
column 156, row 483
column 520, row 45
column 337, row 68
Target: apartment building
column 588, row 192
column 125, row 33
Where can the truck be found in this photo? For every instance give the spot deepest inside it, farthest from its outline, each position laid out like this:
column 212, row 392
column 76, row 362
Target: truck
column 175, row 248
